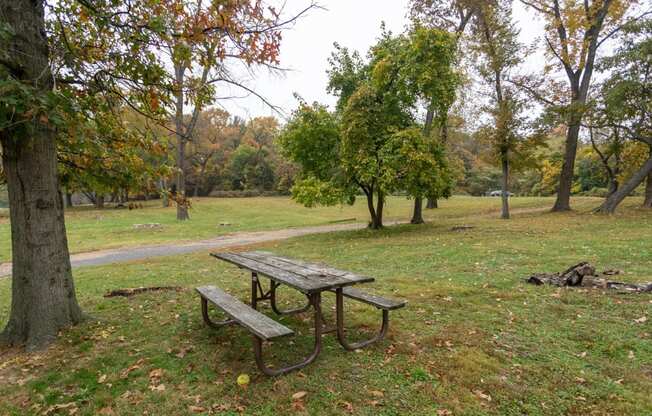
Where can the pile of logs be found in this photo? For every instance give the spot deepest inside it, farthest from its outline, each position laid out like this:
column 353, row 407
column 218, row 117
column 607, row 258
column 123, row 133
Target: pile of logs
column 584, row 275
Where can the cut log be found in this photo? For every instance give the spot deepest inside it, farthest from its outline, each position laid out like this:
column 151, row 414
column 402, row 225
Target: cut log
column 584, row 275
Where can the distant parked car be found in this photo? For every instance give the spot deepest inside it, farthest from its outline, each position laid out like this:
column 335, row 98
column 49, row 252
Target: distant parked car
column 499, row 193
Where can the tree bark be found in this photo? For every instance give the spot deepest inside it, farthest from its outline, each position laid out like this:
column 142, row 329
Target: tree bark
column 378, row 223
column 99, row 201
column 611, row 203
column 371, row 208
column 647, row 203
column 182, row 207
column 580, row 81
column 43, row 294
column 433, row 203
column 505, row 194
column 165, row 197
column 417, row 215
column 567, row 170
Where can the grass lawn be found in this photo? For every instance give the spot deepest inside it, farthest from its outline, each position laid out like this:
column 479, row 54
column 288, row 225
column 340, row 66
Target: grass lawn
column 91, row 229
column 473, row 340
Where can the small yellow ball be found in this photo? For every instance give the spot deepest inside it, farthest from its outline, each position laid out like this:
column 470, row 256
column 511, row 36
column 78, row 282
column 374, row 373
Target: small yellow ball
column 243, row 380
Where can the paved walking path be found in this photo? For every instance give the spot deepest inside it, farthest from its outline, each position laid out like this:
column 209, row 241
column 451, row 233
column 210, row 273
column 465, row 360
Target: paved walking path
column 119, row 255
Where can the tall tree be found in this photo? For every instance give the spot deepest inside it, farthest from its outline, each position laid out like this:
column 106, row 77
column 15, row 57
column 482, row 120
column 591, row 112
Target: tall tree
column 608, row 144
column 499, row 52
column 429, row 70
column 370, row 144
column 203, row 41
column 101, row 46
column 575, row 30
column 626, row 102
column 453, row 16
column 43, row 292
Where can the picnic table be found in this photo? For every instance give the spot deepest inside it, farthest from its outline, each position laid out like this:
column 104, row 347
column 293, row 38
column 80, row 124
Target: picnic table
column 310, row 279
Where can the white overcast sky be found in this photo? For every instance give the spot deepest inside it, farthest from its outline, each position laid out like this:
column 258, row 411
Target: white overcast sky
column 308, row 44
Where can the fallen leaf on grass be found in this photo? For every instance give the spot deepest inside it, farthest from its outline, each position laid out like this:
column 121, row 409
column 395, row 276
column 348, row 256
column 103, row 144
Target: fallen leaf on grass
column 101, row 379
column 299, row 395
column 482, row 395
column 348, row 407
column 641, row 320
column 377, row 393
column 298, row 406
column 159, row 388
column 137, row 365
column 196, row 409
column 444, row 412
column 106, row 411
column 70, row 407
column 156, row 373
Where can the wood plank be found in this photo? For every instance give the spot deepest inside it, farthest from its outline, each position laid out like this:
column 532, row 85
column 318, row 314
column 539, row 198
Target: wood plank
column 299, row 282
column 377, row 301
column 259, row 324
column 342, row 277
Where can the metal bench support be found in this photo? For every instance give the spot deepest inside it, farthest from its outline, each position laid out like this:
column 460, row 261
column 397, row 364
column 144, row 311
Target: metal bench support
column 315, row 302
column 339, row 307
column 207, row 319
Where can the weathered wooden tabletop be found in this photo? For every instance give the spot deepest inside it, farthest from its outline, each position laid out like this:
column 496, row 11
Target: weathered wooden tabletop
column 305, row 277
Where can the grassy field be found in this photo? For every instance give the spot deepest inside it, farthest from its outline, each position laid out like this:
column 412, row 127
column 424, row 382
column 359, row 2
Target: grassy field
column 91, row 229
column 474, row 339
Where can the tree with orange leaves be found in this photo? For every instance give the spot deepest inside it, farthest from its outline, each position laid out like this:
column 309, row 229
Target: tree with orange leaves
column 62, row 67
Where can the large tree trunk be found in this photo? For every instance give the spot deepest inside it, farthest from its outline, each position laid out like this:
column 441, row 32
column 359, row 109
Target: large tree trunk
column 165, row 196
column 375, row 212
column 378, row 223
column 568, row 169
column 647, row 203
column 371, row 208
column 580, row 82
column 505, row 194
column 99, row 201
column 182, row 206
column 613, row 185
column 43, row 294
column 611, row 203
column 433, row 203
column 417, row 214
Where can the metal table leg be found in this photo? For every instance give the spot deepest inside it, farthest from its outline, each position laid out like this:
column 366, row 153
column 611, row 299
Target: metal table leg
column 272, row 291
column 339, row 308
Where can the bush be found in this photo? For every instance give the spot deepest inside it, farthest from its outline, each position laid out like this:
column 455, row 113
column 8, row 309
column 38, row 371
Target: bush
column 595, row 191
column 249, row 193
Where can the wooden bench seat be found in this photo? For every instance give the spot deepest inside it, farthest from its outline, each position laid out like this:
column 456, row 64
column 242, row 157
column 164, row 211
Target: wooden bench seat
column 374, row 300
column 255, row 322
